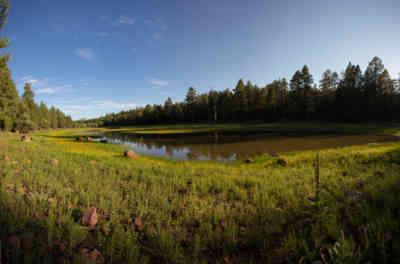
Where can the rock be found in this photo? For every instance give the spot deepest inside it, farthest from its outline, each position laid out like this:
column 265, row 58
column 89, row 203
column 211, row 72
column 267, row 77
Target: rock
column 131, row 154
column 14, row 242
column 90, row 217
column 54, row 162
column 281, row 162
column 25, row 139
column 93, row 256
column 138, row 225
column 27, row 240
column 89, row 139
column 10, row 187
column 249, row 160
column 97, row 257
column 6, row 158
column 182, row 191
column 52, row 201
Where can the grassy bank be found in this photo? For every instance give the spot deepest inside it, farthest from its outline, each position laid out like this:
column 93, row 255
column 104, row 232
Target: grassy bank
column 162, row 211
column 286, row 127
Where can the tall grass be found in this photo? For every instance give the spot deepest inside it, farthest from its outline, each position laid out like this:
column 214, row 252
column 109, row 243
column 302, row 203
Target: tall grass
column 341, row 207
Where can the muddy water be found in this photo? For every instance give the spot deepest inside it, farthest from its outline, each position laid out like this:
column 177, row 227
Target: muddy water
column 230, row 146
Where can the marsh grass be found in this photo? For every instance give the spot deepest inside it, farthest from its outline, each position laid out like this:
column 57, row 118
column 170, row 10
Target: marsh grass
column 162, row 211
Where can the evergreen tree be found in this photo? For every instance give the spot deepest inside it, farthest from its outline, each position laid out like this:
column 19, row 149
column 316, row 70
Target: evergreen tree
column 213, row 105
column 44, row 116
column 348, row 97
column 240, row 101
column 9, row 99
column 372, row 93
column 168, row 105
column 191, row 102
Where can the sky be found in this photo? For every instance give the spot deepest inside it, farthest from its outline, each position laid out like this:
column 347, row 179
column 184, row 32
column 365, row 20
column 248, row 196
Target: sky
column 93, row 57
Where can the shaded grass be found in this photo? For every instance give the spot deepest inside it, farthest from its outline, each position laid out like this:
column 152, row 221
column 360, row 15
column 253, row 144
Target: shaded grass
column 206, row 212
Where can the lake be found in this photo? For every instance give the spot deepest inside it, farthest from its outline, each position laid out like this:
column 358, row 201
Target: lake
column 227, row 147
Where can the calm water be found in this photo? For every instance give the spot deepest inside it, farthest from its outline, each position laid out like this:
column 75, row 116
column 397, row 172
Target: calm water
column 228, row 147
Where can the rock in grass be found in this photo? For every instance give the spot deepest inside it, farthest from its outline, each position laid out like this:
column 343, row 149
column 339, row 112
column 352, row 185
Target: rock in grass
column 6, row 158
column 138, row 225
column 14, row 242
column 26, row 139
column 54, row 162
column 249, row 160
column 281, row 162
column 131, row 154
column 93, row 256
column 90, row 217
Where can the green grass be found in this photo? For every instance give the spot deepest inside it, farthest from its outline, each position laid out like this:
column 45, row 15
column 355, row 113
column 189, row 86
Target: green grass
column 295, row 127
column 201, row 212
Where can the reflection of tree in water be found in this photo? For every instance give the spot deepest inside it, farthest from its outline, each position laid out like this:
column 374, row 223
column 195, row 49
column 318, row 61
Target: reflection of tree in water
column 169, row 150
column 226, row 147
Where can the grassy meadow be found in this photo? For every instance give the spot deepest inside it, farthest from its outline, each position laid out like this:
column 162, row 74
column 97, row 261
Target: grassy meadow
column 156, row 210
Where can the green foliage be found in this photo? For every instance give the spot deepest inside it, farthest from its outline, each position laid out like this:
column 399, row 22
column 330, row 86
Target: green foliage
column 6, row 123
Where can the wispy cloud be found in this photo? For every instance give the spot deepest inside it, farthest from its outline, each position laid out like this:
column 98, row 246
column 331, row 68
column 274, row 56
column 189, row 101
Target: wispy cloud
column 47, row 91
column 53, row 90
column 88, row 108
column 33, row 80
column 158, row 82
column 85, row 53
column 126, row 20
column 114, row 105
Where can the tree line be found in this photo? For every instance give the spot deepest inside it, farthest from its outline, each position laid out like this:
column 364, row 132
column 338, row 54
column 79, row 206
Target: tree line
column 22, row 113
column 352, row 96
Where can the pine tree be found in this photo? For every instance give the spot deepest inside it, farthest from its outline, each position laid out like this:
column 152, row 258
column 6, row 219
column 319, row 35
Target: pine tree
column 44, row 116
column 213, row 105
column 240, row 101
column 191, row 102
column 372, row 94
column 9, row 99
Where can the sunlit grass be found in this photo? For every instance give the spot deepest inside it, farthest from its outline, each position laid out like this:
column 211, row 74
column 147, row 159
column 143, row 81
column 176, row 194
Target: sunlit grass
column 261, row 212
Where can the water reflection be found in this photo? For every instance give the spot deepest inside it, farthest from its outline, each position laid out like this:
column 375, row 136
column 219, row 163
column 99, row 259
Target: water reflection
column 227, row 147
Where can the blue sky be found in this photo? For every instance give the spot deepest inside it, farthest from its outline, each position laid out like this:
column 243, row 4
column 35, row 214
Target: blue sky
column 95, row 56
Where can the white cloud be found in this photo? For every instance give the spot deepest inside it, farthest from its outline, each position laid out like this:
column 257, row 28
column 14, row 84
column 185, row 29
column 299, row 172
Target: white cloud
column 158, row 82
column 46, row 91
column 88, row 108
column 113, row 105
column 126, row 20
column 32, row 80
column 85, row 53
column 53, row 90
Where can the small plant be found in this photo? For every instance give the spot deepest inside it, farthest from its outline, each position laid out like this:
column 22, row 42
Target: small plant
column 344, row 251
